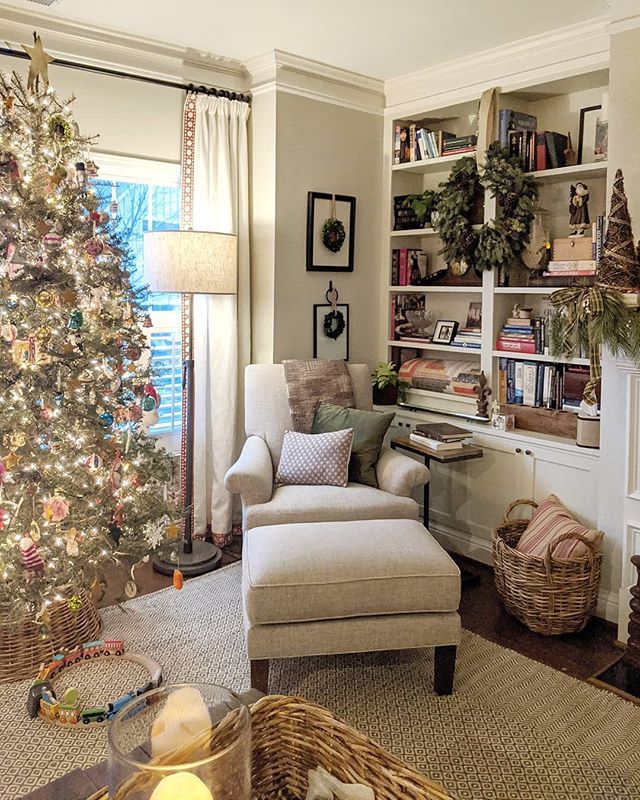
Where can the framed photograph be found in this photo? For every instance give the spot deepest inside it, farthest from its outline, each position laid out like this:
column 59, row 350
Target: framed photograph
column 331, row 331
column 589, row 123
column 445, row 331
column 331, row 224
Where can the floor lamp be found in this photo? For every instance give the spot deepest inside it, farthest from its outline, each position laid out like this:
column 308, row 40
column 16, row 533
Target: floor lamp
column 190, row 262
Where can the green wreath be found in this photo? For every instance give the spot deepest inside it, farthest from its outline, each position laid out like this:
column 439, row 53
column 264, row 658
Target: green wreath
column 499, row 242
column 61, row 129
column 334, row 324
column 333, row 234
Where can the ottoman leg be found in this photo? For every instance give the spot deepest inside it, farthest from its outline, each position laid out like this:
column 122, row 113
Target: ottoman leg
column 260, row 675
column 444, row 669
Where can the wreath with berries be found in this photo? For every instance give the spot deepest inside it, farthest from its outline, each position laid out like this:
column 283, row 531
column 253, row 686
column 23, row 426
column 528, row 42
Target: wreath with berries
column 334, row 324
column 500, row 242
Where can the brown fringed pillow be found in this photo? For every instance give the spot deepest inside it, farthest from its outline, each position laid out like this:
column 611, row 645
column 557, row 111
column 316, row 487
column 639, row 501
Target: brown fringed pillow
column 309, row 382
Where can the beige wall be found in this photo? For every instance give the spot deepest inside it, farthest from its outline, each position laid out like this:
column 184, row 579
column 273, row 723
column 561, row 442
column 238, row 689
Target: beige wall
column 326, row 148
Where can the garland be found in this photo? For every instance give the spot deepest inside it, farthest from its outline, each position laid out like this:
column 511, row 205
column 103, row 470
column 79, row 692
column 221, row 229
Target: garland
column 499, row 242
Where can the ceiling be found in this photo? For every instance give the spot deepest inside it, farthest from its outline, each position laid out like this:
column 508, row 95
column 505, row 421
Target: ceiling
column 380, row 38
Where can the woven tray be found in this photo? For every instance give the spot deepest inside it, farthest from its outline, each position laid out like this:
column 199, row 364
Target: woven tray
column 291, row 736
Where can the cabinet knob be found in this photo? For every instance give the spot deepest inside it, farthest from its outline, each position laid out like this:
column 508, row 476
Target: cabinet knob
column 527, row 452
column 518, row 449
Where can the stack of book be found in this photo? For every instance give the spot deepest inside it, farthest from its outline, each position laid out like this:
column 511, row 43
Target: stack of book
column 459, row 145
column 414, row 142
column 554, row 386
column 439, row 436
column 524, row 336
column 468, row 337
column 537, row 150
column 574, row 264
column 409, row 267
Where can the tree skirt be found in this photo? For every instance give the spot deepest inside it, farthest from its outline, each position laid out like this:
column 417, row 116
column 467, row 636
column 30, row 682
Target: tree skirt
column 514, row 729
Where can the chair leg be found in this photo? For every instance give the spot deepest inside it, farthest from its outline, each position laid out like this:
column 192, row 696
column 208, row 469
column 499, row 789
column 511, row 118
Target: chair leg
column 260, row 675
column 444, row 669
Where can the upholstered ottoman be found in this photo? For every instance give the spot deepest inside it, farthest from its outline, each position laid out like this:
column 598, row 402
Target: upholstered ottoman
column 348, row 587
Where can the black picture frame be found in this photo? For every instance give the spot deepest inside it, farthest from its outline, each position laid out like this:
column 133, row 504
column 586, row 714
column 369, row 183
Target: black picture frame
column 319, row 258
column 585, row 118
column 448, row 327
column 324, row 346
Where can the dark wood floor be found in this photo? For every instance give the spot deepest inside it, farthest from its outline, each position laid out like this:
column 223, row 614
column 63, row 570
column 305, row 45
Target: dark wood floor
column 580, row 655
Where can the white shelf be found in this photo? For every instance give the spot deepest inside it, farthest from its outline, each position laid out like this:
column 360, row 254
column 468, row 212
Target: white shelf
column 539, row 357
column 544, row 290
column 443, row 348
column 596, row 170
column 430, row 164
column 414, row 232
column 442, row 289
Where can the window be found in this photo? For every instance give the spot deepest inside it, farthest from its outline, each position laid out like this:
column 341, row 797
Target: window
column 147, row 194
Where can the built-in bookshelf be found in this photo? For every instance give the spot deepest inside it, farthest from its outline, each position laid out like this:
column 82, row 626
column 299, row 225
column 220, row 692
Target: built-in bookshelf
column 556, row 107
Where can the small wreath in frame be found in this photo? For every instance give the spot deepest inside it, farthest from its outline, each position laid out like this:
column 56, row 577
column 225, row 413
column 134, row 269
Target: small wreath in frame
column 334, row 324
column 333, row 234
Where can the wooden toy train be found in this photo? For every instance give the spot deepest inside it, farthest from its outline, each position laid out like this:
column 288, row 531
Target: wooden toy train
column 42, row 700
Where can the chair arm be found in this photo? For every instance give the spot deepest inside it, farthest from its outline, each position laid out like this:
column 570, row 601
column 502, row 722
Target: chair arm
column 400, row 474
column 252, row 475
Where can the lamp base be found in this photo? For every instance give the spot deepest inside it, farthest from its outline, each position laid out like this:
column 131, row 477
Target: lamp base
column 204, row 558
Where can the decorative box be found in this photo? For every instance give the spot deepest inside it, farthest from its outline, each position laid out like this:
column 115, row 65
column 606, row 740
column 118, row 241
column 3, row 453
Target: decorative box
column 574, row 248
column 503, row 422
column 588, row 433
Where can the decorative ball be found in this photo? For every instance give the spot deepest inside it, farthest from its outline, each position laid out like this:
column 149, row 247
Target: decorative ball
column 43, row 334
column 17, row 439
column 45, row 298
column 52, row 241
column 75, row 603
column 94, row 246
column 148, row 403
column 107, row 419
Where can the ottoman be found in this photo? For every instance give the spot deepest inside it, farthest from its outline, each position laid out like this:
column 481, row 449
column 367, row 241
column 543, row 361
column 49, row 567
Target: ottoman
column 348, row 587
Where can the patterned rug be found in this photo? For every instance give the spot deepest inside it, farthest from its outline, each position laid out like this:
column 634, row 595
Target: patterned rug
column 513, row 730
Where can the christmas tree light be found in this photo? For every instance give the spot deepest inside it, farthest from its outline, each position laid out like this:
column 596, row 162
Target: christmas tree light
column 82, row 482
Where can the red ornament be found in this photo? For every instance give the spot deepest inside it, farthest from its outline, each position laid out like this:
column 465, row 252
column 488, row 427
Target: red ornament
column 148, row 322
column 150, row 391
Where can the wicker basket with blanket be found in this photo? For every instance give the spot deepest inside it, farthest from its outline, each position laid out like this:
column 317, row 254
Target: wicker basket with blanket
column 550, row 595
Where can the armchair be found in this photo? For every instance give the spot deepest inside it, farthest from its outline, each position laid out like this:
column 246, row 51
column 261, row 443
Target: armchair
column 252, row 476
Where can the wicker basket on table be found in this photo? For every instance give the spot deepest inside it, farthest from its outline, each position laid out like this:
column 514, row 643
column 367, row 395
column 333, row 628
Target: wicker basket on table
column 22, row 650
column 550, row 596
column 290, row 736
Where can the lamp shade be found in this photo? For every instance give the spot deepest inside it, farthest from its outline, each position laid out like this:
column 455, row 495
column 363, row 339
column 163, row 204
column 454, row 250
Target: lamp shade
column 191, row 262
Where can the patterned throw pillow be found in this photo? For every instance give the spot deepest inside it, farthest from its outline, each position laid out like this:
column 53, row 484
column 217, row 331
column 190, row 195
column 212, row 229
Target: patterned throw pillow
column 309, row 382
column 549, row 521
column 315, row 459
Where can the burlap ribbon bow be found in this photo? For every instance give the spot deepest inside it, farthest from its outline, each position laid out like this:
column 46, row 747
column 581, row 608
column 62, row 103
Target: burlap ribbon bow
column 582, row 303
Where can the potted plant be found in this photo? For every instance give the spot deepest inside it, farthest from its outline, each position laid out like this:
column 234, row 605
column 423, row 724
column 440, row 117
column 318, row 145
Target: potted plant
column 423, row 205
column 387, row 387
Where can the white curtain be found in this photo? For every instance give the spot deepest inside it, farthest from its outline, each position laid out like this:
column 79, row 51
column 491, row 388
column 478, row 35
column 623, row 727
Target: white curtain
column 216, row 175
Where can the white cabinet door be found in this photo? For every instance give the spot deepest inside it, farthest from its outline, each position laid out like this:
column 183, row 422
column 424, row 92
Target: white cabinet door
column 571, row 476
column 471, row 496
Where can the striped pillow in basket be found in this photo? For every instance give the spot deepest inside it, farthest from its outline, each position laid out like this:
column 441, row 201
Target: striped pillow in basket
column 551, row 520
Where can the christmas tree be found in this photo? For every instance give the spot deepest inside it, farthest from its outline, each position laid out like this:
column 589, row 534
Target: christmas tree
column 82, row 482
column 619, row 267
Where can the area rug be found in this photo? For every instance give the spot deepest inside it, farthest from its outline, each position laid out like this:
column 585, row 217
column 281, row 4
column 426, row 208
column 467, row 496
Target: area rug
column 513, row 730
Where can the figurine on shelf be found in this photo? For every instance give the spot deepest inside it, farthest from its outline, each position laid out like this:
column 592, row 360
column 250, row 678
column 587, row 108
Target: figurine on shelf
column 484, row 392
column 578, row 209
column 517, row 312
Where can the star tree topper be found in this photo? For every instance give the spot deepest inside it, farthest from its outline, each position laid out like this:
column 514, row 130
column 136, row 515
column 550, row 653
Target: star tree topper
column 40, row 61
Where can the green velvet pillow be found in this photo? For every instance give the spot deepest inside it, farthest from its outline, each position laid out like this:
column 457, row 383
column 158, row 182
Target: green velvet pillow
column 369, row 428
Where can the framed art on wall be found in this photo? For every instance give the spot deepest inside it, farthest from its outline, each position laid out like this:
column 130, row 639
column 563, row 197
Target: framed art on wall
column 331, row 220
column 331, row 331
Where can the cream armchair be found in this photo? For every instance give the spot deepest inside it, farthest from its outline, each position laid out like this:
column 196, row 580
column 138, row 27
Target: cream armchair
column 267, row 417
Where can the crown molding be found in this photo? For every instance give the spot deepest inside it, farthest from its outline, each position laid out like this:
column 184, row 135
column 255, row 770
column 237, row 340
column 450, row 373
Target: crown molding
column 566, row 51
column 278, row 70
column 625, row 15
column 112, row 49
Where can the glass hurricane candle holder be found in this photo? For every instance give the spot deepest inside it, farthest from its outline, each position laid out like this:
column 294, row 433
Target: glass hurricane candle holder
column 182, row 742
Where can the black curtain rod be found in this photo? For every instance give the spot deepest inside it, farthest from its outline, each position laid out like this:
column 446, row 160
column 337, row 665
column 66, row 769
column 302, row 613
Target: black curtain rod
column 114, row 73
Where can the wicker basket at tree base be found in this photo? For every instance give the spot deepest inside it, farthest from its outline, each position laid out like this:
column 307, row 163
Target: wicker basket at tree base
column 290, row 736
column 22, row 651
column 550, row 596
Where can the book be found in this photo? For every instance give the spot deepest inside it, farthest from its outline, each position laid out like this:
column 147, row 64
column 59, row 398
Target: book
column 528, row 384
column 433, row 444
column 442, row 431
column 518, row 322
column 573, row 273
column 402, row 270
column 511, row 380
column 541, row 151
column 563, row 266
column 557, row 143
column 518, row 383
column 417, row 267
column 474, row 315
column 515, row 346
column 502, row 380
column 395, row 268
column 396, row 143
column 509, row 120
